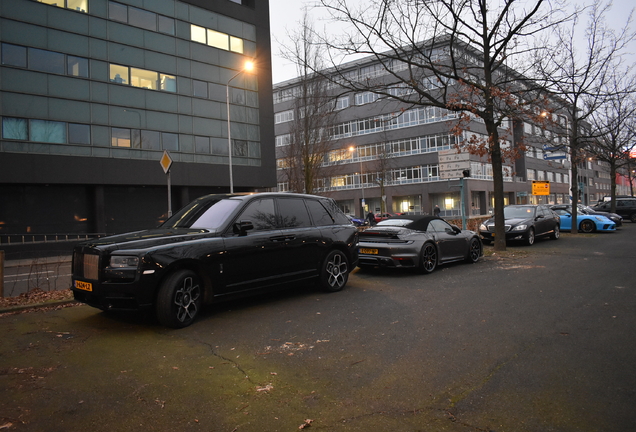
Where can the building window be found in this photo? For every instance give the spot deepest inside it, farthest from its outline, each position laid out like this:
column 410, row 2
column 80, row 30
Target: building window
column 79, row 133
column 15, row 129
column 283, row 140
column 120, row 137
column 119, row 74
column 76, row 5
column 47, row 131
column 168, row 83
column 202, row 145
column 141, row 18
column 150, row 140
column 342, row 103
column 216, row 39
column 283, row 117
column 143, row 78
column 77, row 66
column 170, row 141
column 14, row 55
column 200, row 88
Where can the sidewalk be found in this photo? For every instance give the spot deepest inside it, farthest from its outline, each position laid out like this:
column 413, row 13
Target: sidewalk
column 45, row 273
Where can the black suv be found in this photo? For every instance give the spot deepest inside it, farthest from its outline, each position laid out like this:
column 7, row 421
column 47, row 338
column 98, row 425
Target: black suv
column 524, row 222
column 217, row 247
column 625, row 207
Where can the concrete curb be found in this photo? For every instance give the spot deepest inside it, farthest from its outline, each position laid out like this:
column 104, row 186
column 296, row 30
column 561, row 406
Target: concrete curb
column 35, row 306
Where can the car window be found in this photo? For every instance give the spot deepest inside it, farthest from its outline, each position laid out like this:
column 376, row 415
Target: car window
column 518, row 212
column 438, row 225
column 394, row 222
column 335, row 212
column 261, row 213
column 319, row 214
column 292, row 213
column 209, row 214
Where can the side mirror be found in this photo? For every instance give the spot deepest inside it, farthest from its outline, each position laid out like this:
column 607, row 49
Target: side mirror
column 241, row 227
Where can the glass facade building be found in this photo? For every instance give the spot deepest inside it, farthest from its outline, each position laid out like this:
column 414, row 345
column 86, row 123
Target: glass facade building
column 94, row 91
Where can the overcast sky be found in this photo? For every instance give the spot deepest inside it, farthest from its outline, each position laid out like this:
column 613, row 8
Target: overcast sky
column 285, row 16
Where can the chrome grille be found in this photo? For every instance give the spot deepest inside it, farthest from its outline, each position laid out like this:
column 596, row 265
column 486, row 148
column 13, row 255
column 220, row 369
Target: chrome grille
column 91, row 267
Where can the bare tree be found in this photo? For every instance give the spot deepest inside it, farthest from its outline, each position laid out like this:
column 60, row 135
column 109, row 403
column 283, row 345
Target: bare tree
column 614, row 127
column 452, row 55
column 313, row 114
column 582, row 77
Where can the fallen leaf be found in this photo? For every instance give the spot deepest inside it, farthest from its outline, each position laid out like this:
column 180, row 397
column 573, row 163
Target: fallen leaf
column 307, row 423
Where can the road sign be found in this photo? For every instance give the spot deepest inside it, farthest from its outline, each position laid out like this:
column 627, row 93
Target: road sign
column 553, row 157
column 540, row 188
column 454, row 157
column 166, row 161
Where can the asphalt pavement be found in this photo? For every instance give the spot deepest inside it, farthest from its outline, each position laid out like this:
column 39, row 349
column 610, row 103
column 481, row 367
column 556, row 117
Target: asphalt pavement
column 538, row 338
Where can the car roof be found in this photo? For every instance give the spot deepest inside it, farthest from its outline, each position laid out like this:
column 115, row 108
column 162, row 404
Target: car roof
column 419, row 222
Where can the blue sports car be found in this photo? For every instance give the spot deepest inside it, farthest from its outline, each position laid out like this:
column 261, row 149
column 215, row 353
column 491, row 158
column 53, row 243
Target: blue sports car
column 586, row 223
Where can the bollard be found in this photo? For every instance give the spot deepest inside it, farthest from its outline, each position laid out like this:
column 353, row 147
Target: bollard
column 1, row 274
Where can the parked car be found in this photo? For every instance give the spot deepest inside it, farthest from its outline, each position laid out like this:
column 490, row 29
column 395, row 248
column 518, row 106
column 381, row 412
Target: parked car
column 417, row 241
column 585, row 223
column 381, row 216
column 524, row 222
column 357, row 221
column 625, row 207
column 614, row 217
column 217, row 247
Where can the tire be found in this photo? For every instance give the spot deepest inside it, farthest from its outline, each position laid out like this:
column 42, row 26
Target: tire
column 586, row 226
column 179, row 299
column 632, row 217
column 556, row 234
column 334, row 272
column 530, row 237
column 474, row 251
column 428, row 258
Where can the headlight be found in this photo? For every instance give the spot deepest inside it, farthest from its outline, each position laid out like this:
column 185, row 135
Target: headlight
column 124, row 261
column 482, row 227
column 520, row 228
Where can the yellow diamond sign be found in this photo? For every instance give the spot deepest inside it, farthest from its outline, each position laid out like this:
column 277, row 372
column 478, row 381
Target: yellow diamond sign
column 165, row 161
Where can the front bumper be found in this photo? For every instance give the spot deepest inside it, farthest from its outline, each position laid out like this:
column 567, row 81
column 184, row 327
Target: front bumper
column 127, row 296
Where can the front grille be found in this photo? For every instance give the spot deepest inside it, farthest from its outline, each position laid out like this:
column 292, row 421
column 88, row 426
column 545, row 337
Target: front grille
column 86, row 265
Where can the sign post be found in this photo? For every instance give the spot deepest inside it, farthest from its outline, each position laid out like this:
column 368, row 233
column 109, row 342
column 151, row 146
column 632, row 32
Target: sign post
column 166, row 163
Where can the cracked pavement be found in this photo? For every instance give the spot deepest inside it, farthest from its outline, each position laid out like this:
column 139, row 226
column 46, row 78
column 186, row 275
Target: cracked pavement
column 540, row 338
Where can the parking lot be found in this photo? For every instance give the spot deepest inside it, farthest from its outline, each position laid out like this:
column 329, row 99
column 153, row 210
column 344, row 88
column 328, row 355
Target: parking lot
column 538, row 338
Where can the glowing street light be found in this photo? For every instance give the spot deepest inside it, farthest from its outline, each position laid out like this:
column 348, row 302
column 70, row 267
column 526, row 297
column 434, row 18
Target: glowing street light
column 247, row 67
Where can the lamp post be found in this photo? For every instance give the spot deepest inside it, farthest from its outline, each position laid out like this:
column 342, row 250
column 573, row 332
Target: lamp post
column 249, row 66
column 354, row 150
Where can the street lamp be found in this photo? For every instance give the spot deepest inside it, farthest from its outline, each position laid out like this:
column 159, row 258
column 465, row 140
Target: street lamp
column 354, row 150
column 248, row 67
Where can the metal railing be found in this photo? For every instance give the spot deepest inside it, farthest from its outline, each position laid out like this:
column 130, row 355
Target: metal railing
column 15, row 239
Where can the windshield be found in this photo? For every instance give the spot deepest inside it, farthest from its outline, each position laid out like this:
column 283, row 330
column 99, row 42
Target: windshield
column 209, row 214
column 518, row 212
column 394, row 222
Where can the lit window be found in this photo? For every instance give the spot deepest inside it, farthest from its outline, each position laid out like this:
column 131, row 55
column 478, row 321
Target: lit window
column 119, row 74
column 218, row 39
column 143, row 78
column 77, row 5
column 236, row 44
column 197, row 34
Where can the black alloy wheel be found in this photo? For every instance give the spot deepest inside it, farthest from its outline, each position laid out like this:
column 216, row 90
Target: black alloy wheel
column 587, row 226
column 474, row 251
column 632, row 217
column 335, row 272
column 179, row 299
column 428, row 258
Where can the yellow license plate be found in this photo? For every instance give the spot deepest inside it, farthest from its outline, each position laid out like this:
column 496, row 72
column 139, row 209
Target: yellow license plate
column 369, row 251
column 86, row 286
